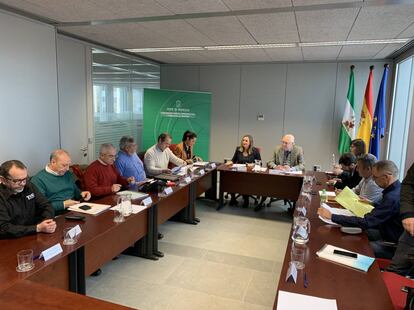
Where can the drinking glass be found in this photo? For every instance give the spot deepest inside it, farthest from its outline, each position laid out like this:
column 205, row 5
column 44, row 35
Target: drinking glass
column 25, row 260
column 297, row 256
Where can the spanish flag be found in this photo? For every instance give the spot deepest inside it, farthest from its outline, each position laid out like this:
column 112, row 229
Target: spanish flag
column 365, row 123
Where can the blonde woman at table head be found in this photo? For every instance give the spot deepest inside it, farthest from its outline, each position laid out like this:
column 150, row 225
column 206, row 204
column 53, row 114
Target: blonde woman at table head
column 246, row 153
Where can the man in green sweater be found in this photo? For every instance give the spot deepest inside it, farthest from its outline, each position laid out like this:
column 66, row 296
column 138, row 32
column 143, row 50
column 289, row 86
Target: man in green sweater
column 57, row 183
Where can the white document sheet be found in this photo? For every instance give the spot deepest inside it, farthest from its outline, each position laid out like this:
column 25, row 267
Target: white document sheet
column 338, row 211
column 94, row 210
column 290, row 301
column 134, row 195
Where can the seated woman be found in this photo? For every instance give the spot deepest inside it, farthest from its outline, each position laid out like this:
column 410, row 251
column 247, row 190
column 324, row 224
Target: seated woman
column 184, row 149
column 246, row 153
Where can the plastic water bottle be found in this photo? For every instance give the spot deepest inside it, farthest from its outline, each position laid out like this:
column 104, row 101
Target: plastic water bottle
column 324, row 196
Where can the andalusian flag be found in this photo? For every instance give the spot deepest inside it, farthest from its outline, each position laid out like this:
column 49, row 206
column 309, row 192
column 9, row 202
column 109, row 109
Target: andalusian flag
column 378, row 126
column 365, row 123
column 347, row 132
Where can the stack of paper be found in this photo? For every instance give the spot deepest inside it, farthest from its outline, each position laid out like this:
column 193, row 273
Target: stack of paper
column 289, row 301
column 349, row 200
column 362, row 262
column 201, row 163
column 134, row 195
column 334, row 211
column 95, row 208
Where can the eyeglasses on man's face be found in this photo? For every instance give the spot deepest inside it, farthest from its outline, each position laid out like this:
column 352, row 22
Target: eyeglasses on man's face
column 17, row 181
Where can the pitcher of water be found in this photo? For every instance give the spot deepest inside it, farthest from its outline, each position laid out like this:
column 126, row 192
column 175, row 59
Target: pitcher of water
column 124, row 204
column 301, row 230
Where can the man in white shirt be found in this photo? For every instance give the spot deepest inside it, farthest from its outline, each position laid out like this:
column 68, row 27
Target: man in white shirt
column 158, row 156
column 367, row 188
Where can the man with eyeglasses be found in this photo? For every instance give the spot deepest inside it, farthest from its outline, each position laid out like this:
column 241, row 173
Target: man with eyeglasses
column 23, row 209
column 383, row 224
column 57, row 183
column 287, row 155
column 101, row 177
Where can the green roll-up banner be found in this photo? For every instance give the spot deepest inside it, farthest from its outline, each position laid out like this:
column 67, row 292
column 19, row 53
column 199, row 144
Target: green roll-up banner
column 175, row 112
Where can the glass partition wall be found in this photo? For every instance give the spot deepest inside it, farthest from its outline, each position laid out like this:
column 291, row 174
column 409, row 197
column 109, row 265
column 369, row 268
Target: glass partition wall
column 118, row 83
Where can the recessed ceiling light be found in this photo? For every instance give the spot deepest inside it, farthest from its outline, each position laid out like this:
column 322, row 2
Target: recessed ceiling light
column 355, row 42
column 268, row 45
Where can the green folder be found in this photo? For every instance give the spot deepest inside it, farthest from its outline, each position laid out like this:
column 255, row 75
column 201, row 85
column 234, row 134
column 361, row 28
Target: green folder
column 349, row 200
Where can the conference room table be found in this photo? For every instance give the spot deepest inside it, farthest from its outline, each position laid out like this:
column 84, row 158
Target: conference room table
column 249, row 182
column 101, row 239
column 352, row 289
column 26, row 294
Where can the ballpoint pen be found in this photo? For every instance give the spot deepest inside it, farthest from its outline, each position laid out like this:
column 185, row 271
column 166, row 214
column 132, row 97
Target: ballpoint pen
column 305, row 280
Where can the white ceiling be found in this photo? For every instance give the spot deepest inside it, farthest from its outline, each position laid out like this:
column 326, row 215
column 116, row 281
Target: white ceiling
column 119, row 23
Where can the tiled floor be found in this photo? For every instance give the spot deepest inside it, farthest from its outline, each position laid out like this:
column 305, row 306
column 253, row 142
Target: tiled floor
column 231, row 260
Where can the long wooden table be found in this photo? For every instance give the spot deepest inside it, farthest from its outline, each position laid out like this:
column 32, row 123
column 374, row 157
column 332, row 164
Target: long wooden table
column 101, row 239
column 26, row 294
column 352, row 289
column 258, row 183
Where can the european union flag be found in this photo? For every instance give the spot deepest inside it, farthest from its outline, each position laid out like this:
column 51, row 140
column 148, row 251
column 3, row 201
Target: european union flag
column 378, row 122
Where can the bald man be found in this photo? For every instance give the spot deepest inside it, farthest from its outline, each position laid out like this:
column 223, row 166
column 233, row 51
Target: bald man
column 57, row 183
column 287, row 156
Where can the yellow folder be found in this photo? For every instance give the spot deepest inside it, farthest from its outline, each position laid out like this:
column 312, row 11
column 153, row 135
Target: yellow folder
column 349, row 200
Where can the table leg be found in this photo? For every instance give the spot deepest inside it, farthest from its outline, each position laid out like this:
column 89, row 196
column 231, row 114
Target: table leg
column 155, row 250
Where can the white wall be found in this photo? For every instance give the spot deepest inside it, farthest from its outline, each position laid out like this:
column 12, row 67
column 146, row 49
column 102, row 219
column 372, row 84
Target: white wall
column 306, row 99
column 28, row 91
column 72, row 81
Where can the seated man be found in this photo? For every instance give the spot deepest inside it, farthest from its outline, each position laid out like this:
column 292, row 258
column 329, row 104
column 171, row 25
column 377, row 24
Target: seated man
column 383, row 222
column 184, row 149
column 127, row 162
column 347, row 175
column 287, row 156
column 23, row 209
column 101, row 177
column 367, row 189
column 57, row 183
column 403, row 260
column 159, row 155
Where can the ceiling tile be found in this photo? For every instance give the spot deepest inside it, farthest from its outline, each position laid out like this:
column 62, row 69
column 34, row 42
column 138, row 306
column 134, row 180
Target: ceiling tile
column 256, row 4
column 251, row 55
column 193, row 6
column 272, row 28
column 131, row 8
column 80, row 10
column 285, row 54
column 382, row 22
column 388, row 50
column 121, row 36
column 360, row 51
column 223, row 30
column 408, row 32
column 321, row 53
column 325, row 25
column 313, row 2
column 219, row 56
column 178, row 31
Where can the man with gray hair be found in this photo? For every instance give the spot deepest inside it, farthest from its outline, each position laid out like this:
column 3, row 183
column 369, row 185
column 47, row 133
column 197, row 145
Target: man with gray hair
column 128, row 162
column 101, row 177
column 367, row 189
column 287, row 156
column 57, row 183
column 383, row 222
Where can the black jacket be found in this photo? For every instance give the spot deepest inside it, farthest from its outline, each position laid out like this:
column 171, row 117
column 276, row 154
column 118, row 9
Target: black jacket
column 348, row 179
column 407, row 194
column 238, row 157
column 20, row 213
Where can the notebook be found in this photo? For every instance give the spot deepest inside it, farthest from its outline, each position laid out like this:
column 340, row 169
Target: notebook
column 361, row 263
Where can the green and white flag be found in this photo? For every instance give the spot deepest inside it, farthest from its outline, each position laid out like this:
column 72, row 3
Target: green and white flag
column 347, row 132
